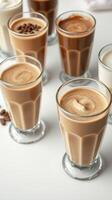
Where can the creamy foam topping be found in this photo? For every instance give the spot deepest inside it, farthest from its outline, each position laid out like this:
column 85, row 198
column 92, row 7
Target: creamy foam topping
column 76, row 24
column 83, row 102
column 5, row 4
column 107, row 59
column 21, row 73
column 27, row 25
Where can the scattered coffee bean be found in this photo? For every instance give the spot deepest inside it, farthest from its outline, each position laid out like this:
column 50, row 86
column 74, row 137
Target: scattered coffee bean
column 3, row 121
column 2, row 112
column 4, row 116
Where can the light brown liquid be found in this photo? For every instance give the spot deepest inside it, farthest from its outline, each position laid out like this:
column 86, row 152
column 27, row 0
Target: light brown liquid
column 23, row 95
column 75, row 40
column 82, row 131
column 29, row 44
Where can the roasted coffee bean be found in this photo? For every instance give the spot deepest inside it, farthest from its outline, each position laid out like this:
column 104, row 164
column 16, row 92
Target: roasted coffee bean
column 19, row 27
column 3, row 121
column 6, row 114
column 7, row 118
column 28, row 28
column 2, row 112
column 4, row 117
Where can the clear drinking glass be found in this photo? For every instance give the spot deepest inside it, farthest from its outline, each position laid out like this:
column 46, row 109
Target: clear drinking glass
column 7, row 10
column 82, row 134
column 105, row 69
column 23, row 100
column 49, row 9
column 75, row 47
column 30, row 44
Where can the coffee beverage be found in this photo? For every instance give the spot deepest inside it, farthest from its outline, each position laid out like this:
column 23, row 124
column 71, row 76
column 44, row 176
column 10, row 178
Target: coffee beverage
column 23, row 102
column 83, row 107
column 75, row 33
column 28, row 35
column 7, row 10
column 46, row 7
column 21, row 86
column 105, row 69
column 83, row 137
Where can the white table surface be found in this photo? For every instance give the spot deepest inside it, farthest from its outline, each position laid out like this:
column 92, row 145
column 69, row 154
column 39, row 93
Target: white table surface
column 31, row 172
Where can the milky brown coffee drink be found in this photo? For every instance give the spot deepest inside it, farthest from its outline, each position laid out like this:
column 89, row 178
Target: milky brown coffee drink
column 22, row 94
column 75, row 33
column 28, row 34
column 46, row 7
column 81, row 125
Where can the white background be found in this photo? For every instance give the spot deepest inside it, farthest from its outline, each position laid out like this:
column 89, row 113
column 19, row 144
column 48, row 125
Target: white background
column 31, row 172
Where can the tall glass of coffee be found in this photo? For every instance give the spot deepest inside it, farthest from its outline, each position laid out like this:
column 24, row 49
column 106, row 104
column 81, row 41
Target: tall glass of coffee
column 83, row 107
column 21, row 85
column 28, row 34
column 49, row 9
column 75, row 31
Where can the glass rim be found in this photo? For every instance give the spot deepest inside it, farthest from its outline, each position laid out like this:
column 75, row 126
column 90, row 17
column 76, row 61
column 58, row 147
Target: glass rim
column 25, row 84
column 10, row 8
column 83, row 116
column 99, row 57
column 21, row 14
column 75, row 11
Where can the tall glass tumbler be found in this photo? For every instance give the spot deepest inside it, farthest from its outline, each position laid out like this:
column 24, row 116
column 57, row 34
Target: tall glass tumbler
column 21, row 86
column 75, row 31
column 49, row 9
column 28, row 34
column 83, row 107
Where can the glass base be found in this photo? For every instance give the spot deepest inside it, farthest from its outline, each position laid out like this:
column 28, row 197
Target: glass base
column 4, row 55
column 30, row 136
column 45, row 77
column 52, row 39
column 110, row 118
column 82, row 173
column 64, row 77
